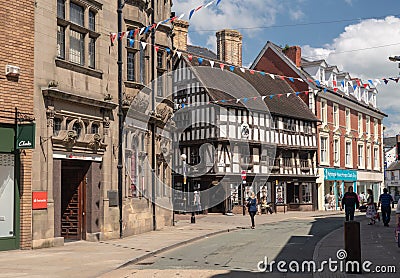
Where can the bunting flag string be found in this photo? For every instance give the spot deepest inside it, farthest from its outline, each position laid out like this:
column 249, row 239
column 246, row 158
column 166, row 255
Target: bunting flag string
column 132, row 34
column 354, row 83
column 186, row 104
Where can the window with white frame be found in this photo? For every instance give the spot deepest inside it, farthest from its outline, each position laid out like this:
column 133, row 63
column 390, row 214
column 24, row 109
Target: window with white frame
column 76, row 49
column 376, row 133
column 368, row 126
column 80, row 28
column 324, row 112
column 336, row 152
column 348, row 122
column 324, row 150
column 368, row 156
column 348, row 153
column 336, row 115
column 360, row 124
column 360, row 156
column 311, row 102
column 376, row 158
column 322, row 75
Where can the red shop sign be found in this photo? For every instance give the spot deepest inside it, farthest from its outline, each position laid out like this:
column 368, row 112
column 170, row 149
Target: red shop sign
column 39, row 200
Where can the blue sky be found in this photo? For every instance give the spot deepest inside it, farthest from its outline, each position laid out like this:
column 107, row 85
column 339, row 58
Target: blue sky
column 355, row 25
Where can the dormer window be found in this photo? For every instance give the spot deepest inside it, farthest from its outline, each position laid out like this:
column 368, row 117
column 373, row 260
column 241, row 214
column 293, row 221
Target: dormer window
column 322, row 74
column 345, row 86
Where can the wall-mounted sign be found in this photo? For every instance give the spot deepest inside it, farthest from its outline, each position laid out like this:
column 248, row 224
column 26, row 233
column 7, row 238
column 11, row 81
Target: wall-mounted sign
column 39, row 199
column 245, row 130
column 340, row 175
column 26, row 136
column 78, row 156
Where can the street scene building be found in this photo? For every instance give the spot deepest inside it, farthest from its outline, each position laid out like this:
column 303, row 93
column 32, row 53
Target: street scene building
column 68, row 86
column 350, row 136
column 17, row 129
column 161, row 138
column 392, row 166
column 280, row 162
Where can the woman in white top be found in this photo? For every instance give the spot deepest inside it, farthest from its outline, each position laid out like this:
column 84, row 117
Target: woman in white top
column 398, row 207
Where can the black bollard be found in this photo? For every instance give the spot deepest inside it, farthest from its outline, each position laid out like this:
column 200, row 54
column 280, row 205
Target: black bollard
column 352, row 246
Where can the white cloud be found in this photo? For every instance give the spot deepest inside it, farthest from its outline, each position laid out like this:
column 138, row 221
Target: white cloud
column 296, row 14
column 350, row 2
column 371, row 62
column 189, row 40
column 312, row 53
column 212, row 43
column 236, row 13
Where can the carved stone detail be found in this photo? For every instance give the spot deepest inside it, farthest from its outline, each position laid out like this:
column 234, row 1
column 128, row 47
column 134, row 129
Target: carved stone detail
column 50, row 113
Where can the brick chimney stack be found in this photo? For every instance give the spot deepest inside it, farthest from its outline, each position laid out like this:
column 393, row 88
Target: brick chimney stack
column 229, row 46
column 180, row 34
column 294, row 54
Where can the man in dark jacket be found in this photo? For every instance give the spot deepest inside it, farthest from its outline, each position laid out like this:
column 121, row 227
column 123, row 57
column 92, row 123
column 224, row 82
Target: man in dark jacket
column 385, row 200
column 350, row 203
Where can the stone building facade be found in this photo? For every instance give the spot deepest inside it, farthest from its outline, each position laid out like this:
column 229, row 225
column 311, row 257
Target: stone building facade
column 16, row 98
column 75, row 106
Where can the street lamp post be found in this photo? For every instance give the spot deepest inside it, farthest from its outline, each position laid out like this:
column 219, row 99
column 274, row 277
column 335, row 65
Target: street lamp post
column 193, row 217
column 183, row 158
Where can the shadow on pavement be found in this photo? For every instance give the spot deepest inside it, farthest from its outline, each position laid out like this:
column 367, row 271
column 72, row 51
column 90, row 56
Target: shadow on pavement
column 298, row 248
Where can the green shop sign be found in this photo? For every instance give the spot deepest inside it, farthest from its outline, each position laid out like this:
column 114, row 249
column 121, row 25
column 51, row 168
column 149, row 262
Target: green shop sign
column 26, row 136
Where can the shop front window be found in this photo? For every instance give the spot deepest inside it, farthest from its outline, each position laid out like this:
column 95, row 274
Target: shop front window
column 306, row 193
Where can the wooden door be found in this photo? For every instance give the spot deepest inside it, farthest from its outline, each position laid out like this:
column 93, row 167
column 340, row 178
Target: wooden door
column 73, row 209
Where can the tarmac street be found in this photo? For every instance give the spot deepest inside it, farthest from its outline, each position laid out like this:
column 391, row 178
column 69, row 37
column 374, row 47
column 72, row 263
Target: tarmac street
column 216, row 246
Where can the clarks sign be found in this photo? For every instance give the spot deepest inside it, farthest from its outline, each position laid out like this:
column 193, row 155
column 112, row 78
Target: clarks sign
column 26, row 136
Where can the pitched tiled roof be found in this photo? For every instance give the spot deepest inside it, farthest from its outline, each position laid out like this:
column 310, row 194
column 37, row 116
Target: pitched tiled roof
column 201, row 51
column 226, row 85
column 389, row 141
column 394, row 166
column 306, row 76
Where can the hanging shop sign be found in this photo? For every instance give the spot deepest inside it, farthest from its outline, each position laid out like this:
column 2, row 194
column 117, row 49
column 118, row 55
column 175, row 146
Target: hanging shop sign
column 26, row 136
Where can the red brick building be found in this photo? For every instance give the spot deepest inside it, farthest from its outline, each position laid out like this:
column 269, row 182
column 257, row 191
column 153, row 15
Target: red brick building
column 16, row 98
column 350, row 134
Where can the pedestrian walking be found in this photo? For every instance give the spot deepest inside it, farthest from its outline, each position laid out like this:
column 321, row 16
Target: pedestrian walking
column 362, row 198
column 252, row 207
column 371, row 210
column 327, row 197
column 196, row 201
column 350, row 203
column 385, row 200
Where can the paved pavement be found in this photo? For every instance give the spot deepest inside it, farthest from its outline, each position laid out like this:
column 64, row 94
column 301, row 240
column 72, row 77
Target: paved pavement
column 377, row 246
column 101, row 259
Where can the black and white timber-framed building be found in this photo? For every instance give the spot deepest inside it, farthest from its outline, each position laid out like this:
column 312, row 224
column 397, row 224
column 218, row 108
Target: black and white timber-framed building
column 223, row 138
